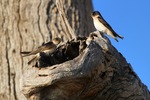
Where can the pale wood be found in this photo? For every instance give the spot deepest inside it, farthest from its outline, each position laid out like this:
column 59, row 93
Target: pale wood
column 25, row 25
column 100, row 72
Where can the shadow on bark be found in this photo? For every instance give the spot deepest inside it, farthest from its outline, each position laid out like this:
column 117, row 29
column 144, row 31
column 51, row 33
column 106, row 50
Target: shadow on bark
column 83, row 69
column 99, row 72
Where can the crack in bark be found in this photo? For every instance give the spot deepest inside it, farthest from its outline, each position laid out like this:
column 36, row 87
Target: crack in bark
column 3, row 21
column 47, row 20
column 8, row 63
column 38, row 12
column 70, row 33
column 14, row 85
column 19, row 31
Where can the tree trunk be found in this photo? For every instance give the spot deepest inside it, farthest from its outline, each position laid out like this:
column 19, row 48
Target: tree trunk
column 25, row 25
column 100, row 72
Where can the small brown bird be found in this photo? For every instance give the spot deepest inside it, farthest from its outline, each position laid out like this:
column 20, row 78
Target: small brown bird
column 102, row 26
column 47, row 48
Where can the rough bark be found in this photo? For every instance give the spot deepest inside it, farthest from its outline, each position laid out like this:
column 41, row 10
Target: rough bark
column 26, row 24
column 100, row 72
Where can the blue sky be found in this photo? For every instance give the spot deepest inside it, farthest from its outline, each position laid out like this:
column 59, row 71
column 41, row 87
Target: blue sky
column 131, row 19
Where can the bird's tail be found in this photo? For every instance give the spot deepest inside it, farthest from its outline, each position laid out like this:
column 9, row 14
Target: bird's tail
column 116, row 35
column 121, row 37
column 26, row 53
column 116, row 39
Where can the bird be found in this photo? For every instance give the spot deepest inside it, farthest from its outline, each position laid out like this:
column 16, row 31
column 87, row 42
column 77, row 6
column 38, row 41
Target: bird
column 102, row 26
column 47, row 48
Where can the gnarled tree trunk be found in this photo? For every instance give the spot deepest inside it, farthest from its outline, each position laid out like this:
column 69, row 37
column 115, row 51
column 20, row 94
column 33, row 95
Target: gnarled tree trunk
column 25, row 25
column 99, row 72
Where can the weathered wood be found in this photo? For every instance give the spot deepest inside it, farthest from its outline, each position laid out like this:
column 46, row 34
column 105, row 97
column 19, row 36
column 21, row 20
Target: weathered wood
column 25, row 25
column 69, row 32
column 100, row 72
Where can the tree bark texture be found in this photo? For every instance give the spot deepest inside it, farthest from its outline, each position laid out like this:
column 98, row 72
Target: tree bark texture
column 25, row 25
column 100, row 72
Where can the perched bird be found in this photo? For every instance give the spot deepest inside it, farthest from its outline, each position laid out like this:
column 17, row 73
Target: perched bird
column 47, row 48
column 102, row 26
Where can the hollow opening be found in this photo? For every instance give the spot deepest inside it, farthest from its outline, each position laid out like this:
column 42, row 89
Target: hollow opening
column 63, row 53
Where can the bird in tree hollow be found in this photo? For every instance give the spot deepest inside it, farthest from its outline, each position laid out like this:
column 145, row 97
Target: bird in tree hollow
column 47, row 48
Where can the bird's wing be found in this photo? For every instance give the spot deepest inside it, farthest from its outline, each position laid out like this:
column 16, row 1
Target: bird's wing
column 45, row 44
column 42, row 48
column 102, row 20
